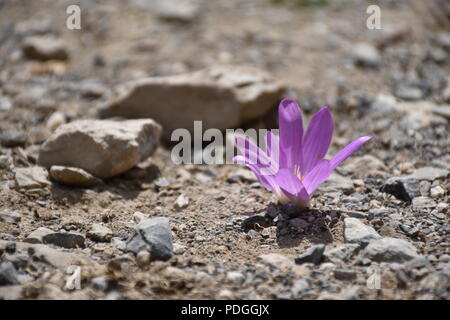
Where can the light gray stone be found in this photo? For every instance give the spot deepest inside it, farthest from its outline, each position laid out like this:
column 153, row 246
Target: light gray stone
column 390, row 250
column 357, row 232
column 104, row 148
column 31, row 178
column 73, row 176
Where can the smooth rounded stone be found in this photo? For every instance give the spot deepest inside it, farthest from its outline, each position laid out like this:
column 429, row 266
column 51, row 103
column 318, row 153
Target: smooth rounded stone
column 8, row 274
column 390, row 250
column 139, row 216
column 366, row 166
column 403, row 188
column 175, row 10
column 37, row 235
column 99, row 232
column 341, row 253
column 222, row 97
column 430, row 173
column 437, row 192
column 276, row 260
column 419, row 203
column 443, row 110
column 13, row 138
column 73, row 176
column 31, row 178
column 44, row 48
column 65, row 239
column 408, row 93
column 311, row 255
column 366, row 55
column 235, row 277
column 103, row 148
column 357, row 232
column 10, row 216
column 153, row 235
column 143, row 258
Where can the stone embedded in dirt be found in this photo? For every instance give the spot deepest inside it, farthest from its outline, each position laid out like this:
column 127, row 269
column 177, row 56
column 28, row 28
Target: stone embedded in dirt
column 8, row 274
column 357, row 232
column 153, row 235
column 390, row 250
column 366, row 166
column 73, row 176
column 403, row 188
column 65, row 239
column 278, row 261
column 13, row 138
column 175, row 10
column 343, row 274
column 341, row 253
column 443, row 111
column 222, row 97
column 37, row 235
column 54, row 257
column 420, row 203
column 181, row 202
column 235, row 277
column 408, row 93
column 430, row 173
column 311, row 255
column 366, row 55
column 99, row 232
column 10, row 216
column 437, row 192
column 44, row 48
column 104, row 148
column 31, row 178
column 243, row 175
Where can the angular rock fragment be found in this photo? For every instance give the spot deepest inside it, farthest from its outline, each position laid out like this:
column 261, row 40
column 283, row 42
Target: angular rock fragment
column 222, row 97
column 73, row 176
column 403, row 188
column 357, row 232
column 153, row 235
column 103, row 148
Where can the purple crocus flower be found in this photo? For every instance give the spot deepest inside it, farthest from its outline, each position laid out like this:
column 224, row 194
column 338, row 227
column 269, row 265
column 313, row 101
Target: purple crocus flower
column 294, row 165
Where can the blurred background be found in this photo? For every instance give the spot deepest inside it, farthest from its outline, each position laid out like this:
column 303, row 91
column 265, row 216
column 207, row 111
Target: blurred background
column 321, row 51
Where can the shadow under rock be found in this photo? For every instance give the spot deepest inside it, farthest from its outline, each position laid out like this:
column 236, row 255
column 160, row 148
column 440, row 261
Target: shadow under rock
column 294, row 226
column 126, row 186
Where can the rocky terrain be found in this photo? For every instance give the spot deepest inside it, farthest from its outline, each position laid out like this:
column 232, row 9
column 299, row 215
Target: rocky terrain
column 93, row 207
